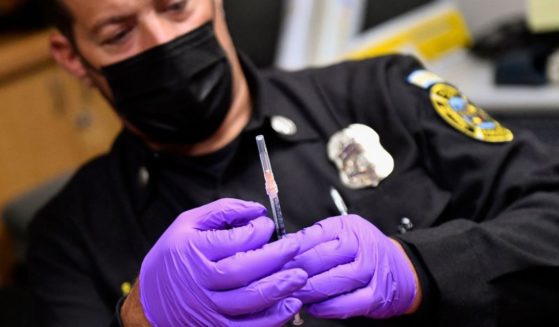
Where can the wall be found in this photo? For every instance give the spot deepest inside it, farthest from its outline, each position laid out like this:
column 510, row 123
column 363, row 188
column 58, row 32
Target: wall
column 254, row 26
column 482, row 14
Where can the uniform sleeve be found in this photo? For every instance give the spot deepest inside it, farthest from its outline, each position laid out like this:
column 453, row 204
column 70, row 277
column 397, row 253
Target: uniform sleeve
column 494, row 254
column 63, row 290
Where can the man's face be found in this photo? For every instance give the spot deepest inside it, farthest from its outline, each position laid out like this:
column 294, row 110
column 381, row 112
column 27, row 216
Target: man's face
column 109, row 31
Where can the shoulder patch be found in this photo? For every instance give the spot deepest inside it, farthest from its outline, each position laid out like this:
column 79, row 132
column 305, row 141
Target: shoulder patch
column 464, row 116
column 424, row 78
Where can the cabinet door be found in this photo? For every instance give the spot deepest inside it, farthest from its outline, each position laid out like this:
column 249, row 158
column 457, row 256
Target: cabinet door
column 49, row 124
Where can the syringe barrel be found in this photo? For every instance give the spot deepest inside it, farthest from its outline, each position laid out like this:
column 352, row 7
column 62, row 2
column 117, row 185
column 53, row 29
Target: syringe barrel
column 278, row 216
column 271, row 186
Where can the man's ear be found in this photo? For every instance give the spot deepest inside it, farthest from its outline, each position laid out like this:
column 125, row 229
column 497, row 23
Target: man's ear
column 65, row 55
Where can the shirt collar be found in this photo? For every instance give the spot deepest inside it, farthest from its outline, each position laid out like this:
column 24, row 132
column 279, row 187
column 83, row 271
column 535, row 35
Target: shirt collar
column 269, row 101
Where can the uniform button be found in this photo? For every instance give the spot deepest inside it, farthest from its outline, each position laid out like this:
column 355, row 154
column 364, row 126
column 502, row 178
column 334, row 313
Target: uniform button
column 405, row 226
column 283, row 125
column 143, row 176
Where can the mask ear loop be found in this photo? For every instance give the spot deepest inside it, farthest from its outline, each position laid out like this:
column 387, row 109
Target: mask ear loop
column 88, row 64
column 89, row 67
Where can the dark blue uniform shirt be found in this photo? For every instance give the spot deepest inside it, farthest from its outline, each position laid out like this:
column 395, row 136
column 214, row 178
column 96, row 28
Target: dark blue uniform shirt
column 485, row 215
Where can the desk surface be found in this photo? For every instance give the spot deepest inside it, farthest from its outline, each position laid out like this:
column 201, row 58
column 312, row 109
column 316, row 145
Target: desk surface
column 475, row 76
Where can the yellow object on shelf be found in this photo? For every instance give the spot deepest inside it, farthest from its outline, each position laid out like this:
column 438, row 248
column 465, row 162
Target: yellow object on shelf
column 430, row 38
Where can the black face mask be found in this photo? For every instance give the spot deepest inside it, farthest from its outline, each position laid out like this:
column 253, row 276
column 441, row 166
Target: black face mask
column 178, row 92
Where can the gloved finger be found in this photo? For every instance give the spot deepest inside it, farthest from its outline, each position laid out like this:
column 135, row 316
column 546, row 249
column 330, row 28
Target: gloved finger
column 325, row 256
column 222, row 214
column 336, row 281
column 244, row 268
column 259, row 295
column 322, row 231
column 358, row 303
column 277, row 315
column 220, row 244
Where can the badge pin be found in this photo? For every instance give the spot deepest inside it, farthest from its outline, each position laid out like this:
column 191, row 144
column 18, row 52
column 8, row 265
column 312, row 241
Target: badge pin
column 357, row 153
column 283, row 125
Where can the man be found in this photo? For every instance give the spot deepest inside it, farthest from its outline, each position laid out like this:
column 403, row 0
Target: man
column 472, row 210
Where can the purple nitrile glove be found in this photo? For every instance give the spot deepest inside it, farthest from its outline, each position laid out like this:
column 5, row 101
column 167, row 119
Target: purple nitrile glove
column 356, row 270
column 212, row 267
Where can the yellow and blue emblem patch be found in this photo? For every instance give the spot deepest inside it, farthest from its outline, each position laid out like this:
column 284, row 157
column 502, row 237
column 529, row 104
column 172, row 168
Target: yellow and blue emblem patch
column 424, row 78
column 458, row 111
column 461, row 114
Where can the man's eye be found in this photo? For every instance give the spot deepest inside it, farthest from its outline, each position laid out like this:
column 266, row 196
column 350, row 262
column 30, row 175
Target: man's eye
column 119, row 37
column 177, row 6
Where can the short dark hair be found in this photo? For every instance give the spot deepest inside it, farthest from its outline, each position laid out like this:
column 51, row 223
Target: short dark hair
column 60, row 17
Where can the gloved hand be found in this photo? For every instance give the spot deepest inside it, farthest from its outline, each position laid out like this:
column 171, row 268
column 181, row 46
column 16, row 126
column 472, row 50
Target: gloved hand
column 356, row 270
column 212, row 267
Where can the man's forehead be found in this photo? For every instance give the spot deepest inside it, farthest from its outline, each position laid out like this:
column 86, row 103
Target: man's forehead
column 89, row 12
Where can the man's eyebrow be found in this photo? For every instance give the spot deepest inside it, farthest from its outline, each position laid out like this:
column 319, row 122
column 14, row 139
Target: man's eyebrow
column 108, row 21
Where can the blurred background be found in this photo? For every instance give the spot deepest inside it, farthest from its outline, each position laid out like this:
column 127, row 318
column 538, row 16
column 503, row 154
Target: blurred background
column 501, row 53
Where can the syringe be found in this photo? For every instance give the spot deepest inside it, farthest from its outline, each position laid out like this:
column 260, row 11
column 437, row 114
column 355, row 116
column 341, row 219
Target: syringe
column 271, row 186
column 272, row 192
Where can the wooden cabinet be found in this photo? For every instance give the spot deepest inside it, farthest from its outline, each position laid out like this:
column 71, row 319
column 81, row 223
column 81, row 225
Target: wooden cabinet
column 49, row 122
